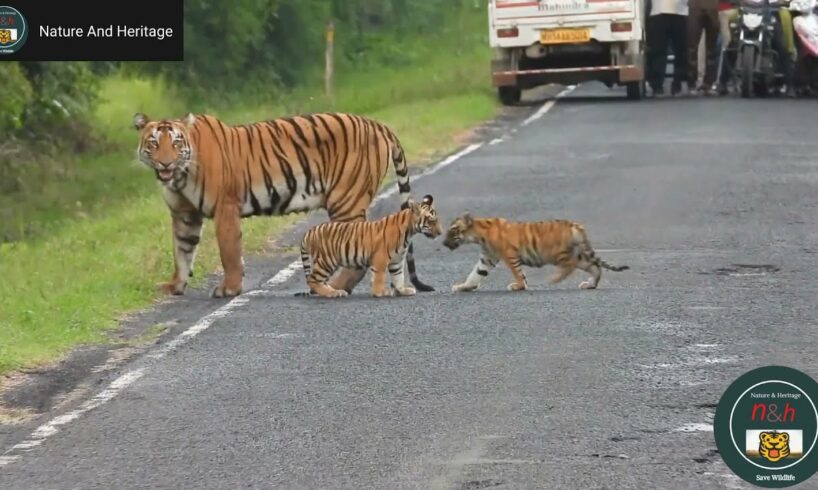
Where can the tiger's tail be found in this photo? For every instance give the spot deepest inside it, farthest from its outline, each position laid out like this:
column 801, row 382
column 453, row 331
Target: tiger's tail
column 589, row 254
column 402, row 172
column 305, row 264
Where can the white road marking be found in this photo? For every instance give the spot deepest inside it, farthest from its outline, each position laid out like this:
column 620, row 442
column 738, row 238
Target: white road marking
column 431, row 170
column 4, row 460
column 695, row 427
column 548, row 105
column 119, row 384
column 53, row 426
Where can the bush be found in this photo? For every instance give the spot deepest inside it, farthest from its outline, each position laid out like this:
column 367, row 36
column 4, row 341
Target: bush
column 16, row 95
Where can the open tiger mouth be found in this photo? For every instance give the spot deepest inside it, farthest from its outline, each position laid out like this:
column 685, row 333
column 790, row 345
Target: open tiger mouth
column 165, row 175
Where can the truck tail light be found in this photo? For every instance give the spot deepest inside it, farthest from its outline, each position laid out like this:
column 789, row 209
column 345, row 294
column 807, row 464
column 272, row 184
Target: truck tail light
column 508, row 32
column 620, row 26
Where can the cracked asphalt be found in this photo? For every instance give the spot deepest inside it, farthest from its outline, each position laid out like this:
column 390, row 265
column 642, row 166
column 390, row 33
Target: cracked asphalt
column 554, row 387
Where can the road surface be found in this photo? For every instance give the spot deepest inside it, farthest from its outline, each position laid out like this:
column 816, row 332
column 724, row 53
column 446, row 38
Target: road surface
column 554, row 387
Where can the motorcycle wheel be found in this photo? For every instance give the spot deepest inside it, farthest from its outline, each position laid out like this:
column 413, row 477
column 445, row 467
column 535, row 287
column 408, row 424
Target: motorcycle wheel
column 747, row 65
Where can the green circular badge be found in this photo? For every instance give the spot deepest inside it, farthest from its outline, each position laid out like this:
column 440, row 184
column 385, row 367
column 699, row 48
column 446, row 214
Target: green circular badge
column 13, row 30
column 766, row 427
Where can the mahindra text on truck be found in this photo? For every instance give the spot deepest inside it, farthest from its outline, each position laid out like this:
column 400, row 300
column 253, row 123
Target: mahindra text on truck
column 566, row 42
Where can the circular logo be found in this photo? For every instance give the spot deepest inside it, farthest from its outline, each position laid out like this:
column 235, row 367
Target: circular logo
column 766, row 427
column 13, row 30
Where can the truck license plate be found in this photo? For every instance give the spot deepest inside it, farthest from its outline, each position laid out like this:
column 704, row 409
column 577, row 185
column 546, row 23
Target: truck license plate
column 561, row 36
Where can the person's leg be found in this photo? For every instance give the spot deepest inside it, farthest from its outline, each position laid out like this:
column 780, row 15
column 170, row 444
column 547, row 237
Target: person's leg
column 711, row 33
column 701, row 61
column 728, row 57
column 779, row 44
column 678, row 36
column 657, row 52
column 694, row 33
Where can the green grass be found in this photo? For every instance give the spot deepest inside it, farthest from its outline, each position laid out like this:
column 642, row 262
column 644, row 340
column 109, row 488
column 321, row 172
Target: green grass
column 97, row 240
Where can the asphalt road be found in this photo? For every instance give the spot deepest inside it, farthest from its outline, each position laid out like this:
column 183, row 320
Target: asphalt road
column 554, row 387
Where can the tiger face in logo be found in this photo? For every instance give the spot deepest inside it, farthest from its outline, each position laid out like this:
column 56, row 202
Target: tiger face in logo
column 774, row 446
column 5, row 36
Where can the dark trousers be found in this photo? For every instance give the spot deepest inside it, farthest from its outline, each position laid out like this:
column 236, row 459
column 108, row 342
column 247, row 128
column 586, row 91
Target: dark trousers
column 702, row 20
column 665, row 30
column 785, row 61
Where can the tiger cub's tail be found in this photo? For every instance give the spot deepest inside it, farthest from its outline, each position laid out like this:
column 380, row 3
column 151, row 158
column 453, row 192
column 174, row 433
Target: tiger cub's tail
column 305, row 264
column 587, row 252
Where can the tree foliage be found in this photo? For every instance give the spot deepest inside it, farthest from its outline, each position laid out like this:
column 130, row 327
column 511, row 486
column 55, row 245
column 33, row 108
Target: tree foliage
column 231, row 49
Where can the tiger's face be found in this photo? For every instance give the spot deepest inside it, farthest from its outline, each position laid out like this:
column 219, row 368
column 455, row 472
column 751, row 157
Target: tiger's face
column 165, row 146
column 459, row 232
column 425, row 217
column 774, row 446
column 5, row 36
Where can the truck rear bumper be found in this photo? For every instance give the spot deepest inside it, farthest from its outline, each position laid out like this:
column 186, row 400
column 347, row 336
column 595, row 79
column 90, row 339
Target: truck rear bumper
column 532, row 78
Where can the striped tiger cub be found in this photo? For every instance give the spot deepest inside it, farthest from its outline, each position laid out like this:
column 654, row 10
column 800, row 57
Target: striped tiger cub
column 379, row 245
column 535, row 244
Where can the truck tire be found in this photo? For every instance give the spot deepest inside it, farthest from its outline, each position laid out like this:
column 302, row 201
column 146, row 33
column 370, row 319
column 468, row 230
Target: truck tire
column 635, row 90
column 509, row 95
column 747, row 69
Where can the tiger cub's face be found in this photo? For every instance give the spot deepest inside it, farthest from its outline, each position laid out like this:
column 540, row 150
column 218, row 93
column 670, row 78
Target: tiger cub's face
column 5, row 36
column 165, row 145
column 459, row 232
column 425, row 217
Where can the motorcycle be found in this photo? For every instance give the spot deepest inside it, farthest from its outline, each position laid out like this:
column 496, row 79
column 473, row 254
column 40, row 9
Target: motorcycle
column 805, row 25
column 757, row 65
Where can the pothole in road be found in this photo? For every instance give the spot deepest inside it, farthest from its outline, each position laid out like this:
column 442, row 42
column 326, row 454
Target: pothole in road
column 744, row 270
column 708, row 457
column 479, row 484
column 625, row 438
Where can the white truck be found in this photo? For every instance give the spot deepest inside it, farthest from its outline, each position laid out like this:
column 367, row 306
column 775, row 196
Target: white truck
column 537, row 42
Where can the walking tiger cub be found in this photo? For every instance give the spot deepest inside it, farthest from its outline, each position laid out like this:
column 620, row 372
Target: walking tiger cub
column 535, row 244
column 380, row 245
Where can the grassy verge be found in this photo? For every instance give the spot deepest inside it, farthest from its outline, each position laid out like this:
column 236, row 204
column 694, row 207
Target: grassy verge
column 98, row 239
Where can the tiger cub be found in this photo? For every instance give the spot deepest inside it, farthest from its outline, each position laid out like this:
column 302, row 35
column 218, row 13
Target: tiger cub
column 380, row 245
column 535, row 244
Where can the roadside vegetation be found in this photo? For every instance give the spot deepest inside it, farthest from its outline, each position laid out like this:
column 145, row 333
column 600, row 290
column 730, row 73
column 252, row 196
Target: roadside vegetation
column 84, row 235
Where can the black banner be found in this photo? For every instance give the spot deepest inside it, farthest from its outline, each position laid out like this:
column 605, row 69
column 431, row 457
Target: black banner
column 92, row 30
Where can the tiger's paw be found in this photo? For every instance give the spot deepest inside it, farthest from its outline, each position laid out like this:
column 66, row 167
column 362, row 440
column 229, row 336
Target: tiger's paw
column 224, row 292
column 175, row 288
column 338, row 293
column 514, row 286
column 589, row 284
column 405, row 291
column 382, row 294
column 458, row 288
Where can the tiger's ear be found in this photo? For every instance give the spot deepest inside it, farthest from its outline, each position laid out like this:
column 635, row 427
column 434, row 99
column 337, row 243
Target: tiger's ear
column 414, row 206
column 190, row 120
column 428, row 199
column 468, row 219
column 140, row 120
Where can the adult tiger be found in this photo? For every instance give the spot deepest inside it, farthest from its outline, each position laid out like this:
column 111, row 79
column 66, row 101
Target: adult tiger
column 209, row 169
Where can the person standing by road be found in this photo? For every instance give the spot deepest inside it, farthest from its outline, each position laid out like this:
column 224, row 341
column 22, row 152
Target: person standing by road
column 667, row 25
column 703, row 16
